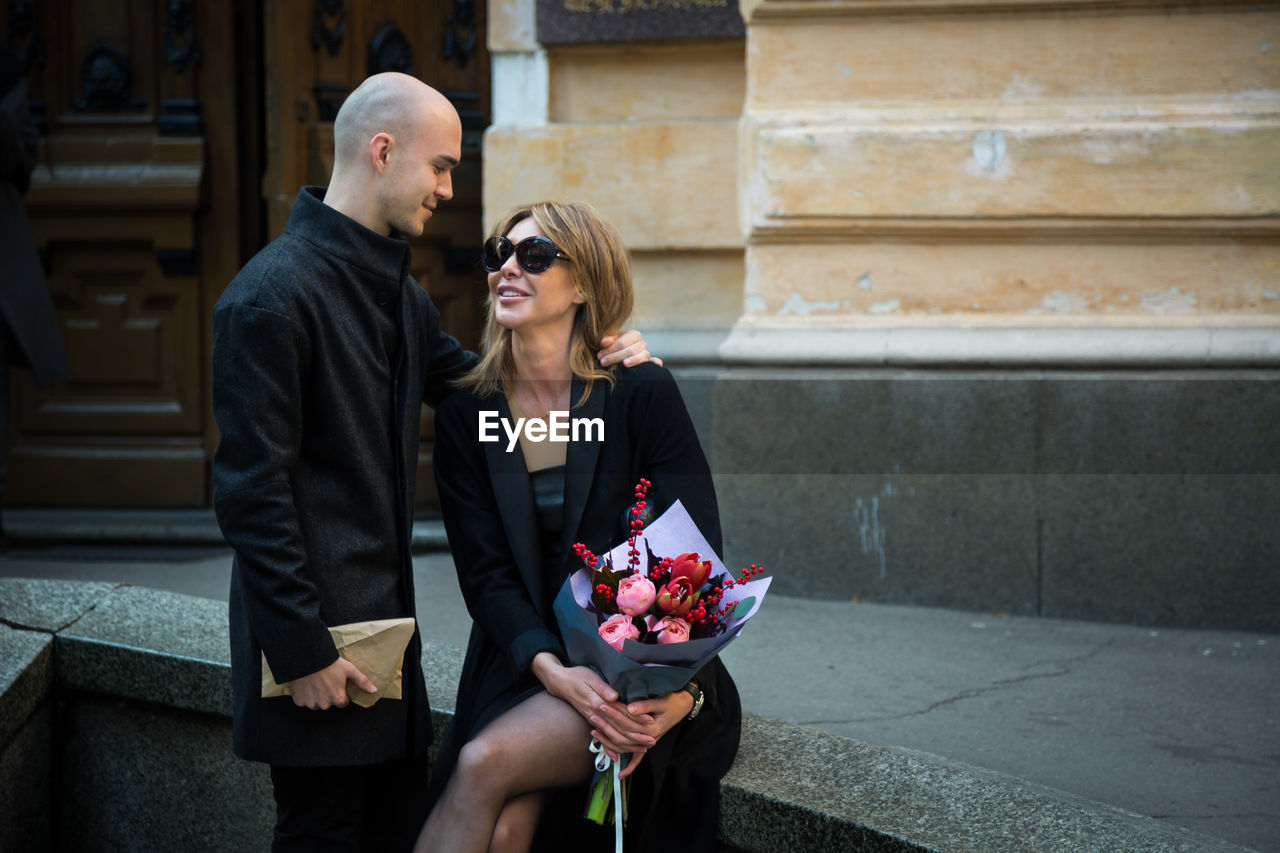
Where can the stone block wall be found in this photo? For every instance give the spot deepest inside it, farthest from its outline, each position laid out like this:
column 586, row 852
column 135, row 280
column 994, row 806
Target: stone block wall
column 976, row 302
column 988, row 162
column 1129, row 497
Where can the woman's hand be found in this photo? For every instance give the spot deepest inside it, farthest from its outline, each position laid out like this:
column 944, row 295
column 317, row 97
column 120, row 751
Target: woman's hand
column 665, row 711
column 591, row 696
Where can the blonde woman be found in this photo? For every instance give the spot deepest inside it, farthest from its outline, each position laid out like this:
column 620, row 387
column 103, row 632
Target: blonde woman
column 514, row 766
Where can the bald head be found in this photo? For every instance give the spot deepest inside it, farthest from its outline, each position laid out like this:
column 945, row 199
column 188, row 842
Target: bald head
column 391, row 103
column 396, row 141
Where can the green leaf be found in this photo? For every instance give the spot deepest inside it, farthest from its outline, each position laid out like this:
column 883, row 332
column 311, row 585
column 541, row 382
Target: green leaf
column 601, row 797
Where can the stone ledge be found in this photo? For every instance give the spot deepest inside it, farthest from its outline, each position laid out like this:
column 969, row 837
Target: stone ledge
column 1011, row 347
column 797, row 788
column 792, row 788
column 773, row 11
column 48, row 606
column 154, row 527
column 1030, row 347
column 26, row 676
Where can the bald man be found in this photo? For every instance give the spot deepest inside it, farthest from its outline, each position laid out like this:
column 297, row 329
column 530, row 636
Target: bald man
column 325, row 349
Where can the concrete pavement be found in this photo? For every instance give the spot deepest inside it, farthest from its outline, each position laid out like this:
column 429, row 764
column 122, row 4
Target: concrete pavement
column 1182, row 726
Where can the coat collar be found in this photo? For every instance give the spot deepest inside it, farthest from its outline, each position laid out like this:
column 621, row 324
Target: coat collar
column 580, row 464
column 340, row 235
column 514, row 493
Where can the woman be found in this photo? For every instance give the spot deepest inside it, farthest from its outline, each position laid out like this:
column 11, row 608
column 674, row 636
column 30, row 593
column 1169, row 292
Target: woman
column 516, row 752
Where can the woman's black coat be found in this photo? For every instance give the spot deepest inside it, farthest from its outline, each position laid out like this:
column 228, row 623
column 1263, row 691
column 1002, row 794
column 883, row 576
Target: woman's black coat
column 489, row 514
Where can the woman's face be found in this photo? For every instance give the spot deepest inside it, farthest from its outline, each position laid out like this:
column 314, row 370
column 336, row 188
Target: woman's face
column 524, row 301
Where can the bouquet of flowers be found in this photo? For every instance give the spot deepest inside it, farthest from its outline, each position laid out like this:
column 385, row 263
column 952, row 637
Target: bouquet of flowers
column 647, row 625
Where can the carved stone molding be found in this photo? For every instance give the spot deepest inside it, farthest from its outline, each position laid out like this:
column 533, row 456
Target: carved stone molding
column 757, row 11
column 1013, row 347
column 1066, row 173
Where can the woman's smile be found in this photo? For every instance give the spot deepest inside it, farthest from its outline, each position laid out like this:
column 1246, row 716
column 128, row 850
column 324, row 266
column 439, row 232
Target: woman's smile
column 508, row 292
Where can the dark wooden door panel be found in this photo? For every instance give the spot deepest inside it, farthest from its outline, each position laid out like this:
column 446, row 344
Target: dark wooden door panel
column 175, row 136
column 132, row 336
column 131, row 211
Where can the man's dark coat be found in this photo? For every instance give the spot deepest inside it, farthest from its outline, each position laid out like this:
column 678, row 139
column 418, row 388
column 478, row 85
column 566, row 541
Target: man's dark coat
column 324, row 351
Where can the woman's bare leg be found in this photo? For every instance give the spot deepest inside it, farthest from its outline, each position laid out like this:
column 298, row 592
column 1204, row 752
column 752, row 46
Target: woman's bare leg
column 517, row 823
column 541, row 743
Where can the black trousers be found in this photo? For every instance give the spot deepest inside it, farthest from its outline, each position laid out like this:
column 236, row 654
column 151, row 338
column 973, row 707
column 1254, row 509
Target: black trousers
column 376, row 807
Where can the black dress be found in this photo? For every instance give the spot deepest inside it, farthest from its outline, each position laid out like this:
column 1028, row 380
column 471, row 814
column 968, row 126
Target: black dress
column 486, row 495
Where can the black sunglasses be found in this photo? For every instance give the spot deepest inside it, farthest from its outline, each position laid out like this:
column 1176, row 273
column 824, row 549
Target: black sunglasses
column 534, row 254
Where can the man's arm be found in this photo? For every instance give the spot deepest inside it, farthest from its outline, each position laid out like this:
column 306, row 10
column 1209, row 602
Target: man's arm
column 446, row 359
column 260, row 361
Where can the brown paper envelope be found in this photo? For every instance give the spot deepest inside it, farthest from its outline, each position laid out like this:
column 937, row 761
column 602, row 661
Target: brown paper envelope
column 376, row 648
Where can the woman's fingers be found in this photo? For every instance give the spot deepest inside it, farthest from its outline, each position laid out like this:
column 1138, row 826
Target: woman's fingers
column 598, row 685
column 618, row 751
column 636, row 758
column 612, row 749
column 631, row 727
column 627, row 736
column 646, row 707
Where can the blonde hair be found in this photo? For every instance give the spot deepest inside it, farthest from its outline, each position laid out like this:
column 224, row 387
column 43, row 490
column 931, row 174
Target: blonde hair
column 601, row 271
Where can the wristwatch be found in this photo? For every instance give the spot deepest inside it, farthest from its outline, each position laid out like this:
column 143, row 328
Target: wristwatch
column 692, row 690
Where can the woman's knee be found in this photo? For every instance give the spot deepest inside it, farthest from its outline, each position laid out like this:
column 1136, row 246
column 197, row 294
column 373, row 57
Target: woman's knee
column 480, row 764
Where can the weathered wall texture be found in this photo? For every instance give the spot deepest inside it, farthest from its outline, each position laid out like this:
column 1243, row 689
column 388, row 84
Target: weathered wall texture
column 976, row 303
column 1040, row 163
column 877, row 164
column 646, row 132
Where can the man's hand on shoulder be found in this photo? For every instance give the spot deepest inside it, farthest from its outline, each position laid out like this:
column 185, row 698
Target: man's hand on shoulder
column 327, row 688
column 628, row 348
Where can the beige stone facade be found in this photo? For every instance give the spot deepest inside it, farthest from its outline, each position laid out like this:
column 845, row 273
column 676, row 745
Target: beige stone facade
column 974, row 303
column 890, row 169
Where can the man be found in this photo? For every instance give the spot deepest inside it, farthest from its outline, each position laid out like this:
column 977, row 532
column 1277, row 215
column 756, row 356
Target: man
column 28, row 328
column 324, row 351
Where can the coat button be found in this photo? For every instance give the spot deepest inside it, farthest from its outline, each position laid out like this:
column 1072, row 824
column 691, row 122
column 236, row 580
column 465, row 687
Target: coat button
column 383, row 297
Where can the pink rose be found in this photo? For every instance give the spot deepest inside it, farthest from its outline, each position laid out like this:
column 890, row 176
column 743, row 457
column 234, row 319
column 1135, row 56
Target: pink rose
column 671, row 630
column 689, row 566
column 635, row 594
column 617, row 629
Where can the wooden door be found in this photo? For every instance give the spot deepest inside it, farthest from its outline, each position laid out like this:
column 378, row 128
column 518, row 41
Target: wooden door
column 317, row 51
column 136, row 210
column 175, row 136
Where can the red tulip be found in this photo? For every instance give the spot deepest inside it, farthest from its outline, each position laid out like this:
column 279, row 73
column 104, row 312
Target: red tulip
column 676, row 597
column 688, row 566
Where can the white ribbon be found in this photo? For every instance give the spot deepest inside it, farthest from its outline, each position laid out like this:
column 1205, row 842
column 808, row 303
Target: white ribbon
column 603, row 764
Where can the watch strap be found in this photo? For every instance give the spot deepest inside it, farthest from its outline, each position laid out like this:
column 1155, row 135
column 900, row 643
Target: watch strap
column 698, row 698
